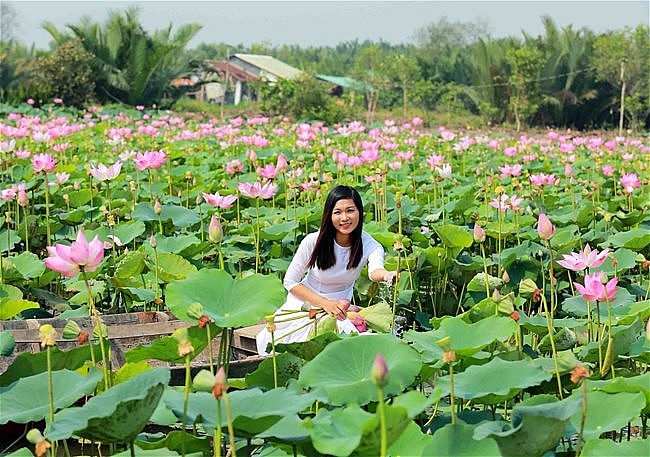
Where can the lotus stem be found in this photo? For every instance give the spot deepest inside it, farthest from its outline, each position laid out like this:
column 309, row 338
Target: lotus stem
column 47, row 211
column 381, row 412
column 231, row 432
column 583, row 419
column 186, row 395
column 217, row 438
column 549, row 326
column 98, row 324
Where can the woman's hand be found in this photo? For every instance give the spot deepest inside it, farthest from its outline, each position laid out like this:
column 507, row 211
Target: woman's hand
column 384, row 275
column 336, row 308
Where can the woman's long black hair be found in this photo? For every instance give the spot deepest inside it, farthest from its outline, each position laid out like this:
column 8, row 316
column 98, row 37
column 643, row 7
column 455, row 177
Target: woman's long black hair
column 323, row 255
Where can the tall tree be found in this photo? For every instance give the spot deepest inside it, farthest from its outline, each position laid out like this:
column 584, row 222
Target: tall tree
column 132, row 66
column 525, row 64
column 622, row 59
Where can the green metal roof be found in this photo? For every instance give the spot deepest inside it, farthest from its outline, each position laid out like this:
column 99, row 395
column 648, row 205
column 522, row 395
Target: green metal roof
column 343, row 81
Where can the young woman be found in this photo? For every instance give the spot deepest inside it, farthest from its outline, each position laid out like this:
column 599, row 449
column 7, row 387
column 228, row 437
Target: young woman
column 325, row 267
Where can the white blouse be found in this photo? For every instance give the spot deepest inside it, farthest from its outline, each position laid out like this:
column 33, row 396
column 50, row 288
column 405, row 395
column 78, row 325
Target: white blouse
column 337, row 281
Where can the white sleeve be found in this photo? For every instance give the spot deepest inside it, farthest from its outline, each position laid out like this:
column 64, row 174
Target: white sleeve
column 298, row 266
column 375, row 254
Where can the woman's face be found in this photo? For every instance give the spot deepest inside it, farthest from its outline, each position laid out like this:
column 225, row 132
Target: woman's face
column 345, row 218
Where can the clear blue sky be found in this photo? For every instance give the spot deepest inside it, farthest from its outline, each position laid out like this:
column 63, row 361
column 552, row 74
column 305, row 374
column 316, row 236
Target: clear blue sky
column 327, row 23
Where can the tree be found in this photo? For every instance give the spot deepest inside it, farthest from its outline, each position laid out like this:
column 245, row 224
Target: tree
column 131, row 65
column 66, row 73
column 370, row 70
column 621, row 59
column 7, row 22
column 525, row 64
column 405, row 71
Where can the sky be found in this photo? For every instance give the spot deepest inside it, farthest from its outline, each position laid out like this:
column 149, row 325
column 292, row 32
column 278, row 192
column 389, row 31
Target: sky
column 328, row 23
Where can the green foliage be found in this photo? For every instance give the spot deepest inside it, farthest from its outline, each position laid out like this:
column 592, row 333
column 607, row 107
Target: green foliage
column 303, row 98
column 66, row 73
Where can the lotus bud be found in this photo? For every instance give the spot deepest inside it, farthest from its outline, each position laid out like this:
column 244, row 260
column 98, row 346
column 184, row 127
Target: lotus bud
column 157, row 207
column 23, row 198
column 203, row 381
column 379, row 372
column 215, row 231
column 71, row 330
column 505, row 277
column 47, row 335
column 545, row 227
column 220, row 383
column 496, row 295
column 153, row 241
column 527, row 287
column 479, row 234
column 195, row 310
column 100, row 331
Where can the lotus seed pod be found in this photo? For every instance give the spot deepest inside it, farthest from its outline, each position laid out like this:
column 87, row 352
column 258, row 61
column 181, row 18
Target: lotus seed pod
column 203, row 381
column 195, row 310
column 527, row 287
column 185, row 348
column 47, row 335
column 34, row 436
column 100, row 331
column 71, row 330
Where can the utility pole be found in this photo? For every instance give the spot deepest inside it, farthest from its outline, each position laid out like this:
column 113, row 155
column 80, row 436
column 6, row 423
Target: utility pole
column 622, row 109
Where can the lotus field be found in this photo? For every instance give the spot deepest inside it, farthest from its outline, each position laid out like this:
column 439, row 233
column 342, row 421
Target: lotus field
column 518, row 325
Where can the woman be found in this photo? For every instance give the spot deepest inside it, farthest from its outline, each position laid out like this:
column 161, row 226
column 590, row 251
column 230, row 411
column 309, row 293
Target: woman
column 332, row 259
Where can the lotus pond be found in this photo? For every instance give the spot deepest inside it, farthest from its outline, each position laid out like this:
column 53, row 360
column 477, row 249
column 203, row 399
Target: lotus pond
column 518, row 325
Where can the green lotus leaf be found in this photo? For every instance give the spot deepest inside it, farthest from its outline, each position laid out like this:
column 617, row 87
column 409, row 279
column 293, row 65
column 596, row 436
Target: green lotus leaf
column 132, row 264
column 174, row 244
column 28, row 265
column 625, row 260
column 166, row 348
column 179, row 215
column 437, row 258
column 495, row 381
column 636, row 239
column 171, row 267
column 278, row 231
column 596, row 447
column 252, row 410
column 229, row 302
column 27, row 399
column 537, row 426
column 457, row 440
column 176, row 440
column 477, row 283
column 289, row 428
column 22, row 452
column 623, row 335
column 31, row 363
column 143, row 212
column 601, row 416
column 287, row 366
column 8, row 240
column 342, row 372
column 639, row 383
column 7, row 343
column 116, row 415
column 9, row 291
column 465, row 339
column 412, row 441
column 10, row 308
column 454, row 236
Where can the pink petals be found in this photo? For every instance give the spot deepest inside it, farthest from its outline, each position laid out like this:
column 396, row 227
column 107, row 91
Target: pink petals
column 80, row 255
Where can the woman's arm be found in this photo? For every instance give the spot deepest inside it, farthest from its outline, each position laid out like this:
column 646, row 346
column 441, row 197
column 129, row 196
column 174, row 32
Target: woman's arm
column 332, row 307
column 381, row 274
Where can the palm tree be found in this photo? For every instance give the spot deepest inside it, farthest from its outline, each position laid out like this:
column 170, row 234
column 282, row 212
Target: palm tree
column 133, row 66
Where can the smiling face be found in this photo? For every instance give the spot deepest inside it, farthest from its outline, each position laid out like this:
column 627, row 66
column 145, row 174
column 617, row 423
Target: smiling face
column 345, row 218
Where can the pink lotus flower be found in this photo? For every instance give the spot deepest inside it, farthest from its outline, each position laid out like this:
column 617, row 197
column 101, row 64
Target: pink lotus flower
column 219, row 201
column 234, row 167
column 510, row 170
column 215, row 230
column 630, row 181
column 43, row 163
column 545, row 227
column 583, row 259
column 434, row 160
column 281, row 164
column 257, row 190
column 358, row 321
column 542, row 179
column 149, row 160
column 79, row 256
column 269, row 171
column 595, row 290
column 607, row 170
column 479, row 234
column 103, row 173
